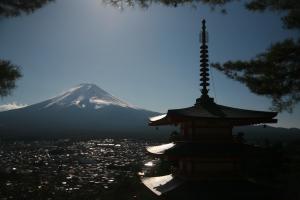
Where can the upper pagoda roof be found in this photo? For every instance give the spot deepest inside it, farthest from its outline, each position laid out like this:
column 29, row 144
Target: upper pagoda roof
column 210, row 111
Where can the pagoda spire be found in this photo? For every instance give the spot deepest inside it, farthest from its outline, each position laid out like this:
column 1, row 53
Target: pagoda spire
column 204, row 70
column 204, row 76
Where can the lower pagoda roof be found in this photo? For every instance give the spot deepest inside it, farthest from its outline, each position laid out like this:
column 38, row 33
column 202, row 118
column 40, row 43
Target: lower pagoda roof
column 171, row 187
column 208, row 110
column 162, row 184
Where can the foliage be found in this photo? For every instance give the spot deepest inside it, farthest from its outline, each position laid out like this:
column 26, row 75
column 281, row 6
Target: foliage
column 8, row 74
column 12, row 8
column 172, row 3
column 275, row 74
column 290, row 7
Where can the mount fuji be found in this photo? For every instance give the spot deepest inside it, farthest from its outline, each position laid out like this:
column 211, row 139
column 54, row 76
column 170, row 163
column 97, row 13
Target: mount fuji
column 84, row 96
column 85, row 110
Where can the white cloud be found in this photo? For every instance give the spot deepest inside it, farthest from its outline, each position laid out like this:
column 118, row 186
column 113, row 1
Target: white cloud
column 11, row 106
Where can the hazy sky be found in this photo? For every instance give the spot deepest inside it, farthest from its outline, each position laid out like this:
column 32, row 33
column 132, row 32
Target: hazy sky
column 147, row 57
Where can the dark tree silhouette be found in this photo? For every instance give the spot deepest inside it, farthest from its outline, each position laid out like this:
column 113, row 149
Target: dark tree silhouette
column 291, row 8
column 8, row 74
column 274, row 73
column 121, row 4
column 12, row 8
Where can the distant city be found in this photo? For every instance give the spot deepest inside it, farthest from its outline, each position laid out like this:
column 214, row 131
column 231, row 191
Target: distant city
column 68, row 169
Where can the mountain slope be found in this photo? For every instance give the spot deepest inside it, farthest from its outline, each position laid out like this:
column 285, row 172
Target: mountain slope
column 273, row 134
column 82, row 110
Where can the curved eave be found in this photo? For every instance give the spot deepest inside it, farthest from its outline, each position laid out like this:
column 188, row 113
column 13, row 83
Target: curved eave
column 160, row 149
column 161, row 184
column 157, row 118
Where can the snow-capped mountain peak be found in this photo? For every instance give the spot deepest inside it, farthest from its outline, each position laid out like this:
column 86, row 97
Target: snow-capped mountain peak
column 86, row 95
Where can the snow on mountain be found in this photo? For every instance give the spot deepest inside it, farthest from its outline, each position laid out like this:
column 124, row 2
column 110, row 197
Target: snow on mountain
column 11, row 106
column 86, row 96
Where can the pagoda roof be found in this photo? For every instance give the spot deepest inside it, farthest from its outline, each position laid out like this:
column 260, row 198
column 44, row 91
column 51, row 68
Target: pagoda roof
column 172, row 187
column 210, row 111
column 162, row 184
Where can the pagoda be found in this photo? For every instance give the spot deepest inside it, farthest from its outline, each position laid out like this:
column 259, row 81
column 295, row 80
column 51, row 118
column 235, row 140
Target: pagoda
column 205, row 151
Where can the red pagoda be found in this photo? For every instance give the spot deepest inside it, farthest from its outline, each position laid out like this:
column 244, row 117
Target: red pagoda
column 205, row 151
